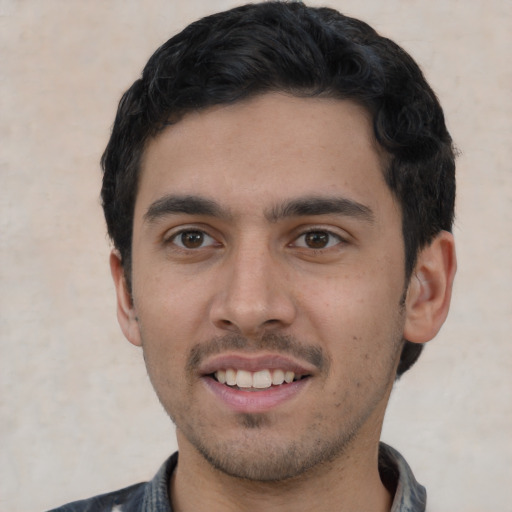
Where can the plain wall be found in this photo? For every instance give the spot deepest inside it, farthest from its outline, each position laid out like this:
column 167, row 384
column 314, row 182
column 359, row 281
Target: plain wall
column 78, row 415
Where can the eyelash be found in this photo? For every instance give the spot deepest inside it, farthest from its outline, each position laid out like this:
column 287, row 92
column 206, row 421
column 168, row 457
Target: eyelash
column 332, row 237
column 337, row 238
column 175, row 236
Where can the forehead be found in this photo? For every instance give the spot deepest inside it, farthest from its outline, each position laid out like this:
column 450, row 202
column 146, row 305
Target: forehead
column 261, row 151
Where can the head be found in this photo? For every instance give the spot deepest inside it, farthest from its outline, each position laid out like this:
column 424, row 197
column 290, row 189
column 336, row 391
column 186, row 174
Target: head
column 304, row 52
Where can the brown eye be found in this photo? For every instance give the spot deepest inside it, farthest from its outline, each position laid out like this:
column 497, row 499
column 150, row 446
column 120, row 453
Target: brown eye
column 192, row 239
column 318, row 240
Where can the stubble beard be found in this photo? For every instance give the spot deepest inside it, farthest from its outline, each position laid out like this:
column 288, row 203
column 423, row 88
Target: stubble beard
column 257, row 454
column 267, row 460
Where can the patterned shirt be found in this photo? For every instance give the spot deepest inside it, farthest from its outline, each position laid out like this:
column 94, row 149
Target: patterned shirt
column 153, row 496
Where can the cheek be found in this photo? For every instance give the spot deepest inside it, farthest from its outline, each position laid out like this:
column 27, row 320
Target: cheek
column 169, row 316
column 353, row 302
column 169, row 304
column 359, row 319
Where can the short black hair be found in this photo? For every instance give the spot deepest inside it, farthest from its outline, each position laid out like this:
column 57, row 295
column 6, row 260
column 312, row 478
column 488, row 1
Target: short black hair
column 303, row 51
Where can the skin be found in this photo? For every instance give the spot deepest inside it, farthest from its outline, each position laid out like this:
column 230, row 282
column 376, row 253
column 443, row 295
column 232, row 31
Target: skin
column 246, row 280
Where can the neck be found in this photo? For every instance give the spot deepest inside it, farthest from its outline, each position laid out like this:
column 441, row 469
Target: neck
column 350, row 483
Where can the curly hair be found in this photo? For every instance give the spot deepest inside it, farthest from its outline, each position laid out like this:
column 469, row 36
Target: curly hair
column 306, row 52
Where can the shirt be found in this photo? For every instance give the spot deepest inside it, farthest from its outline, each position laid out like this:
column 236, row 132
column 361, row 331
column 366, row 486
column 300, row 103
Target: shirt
column 153, row 496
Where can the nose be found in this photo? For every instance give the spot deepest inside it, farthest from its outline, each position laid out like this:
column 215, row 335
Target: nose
column 254, row 294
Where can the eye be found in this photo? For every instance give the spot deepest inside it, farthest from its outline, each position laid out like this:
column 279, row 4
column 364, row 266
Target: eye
column 317, row 239
column 192, row 239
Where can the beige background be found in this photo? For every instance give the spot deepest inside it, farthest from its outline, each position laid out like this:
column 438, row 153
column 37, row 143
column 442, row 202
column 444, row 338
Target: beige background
column 78, row 415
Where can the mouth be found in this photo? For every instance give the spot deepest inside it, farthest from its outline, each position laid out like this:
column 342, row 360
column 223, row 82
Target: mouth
column 256, row 381
column 250, row 383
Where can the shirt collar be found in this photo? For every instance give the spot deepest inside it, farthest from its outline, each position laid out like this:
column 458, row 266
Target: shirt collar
column 410, row 496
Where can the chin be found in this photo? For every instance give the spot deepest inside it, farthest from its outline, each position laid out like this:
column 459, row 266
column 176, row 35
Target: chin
column 258, row 457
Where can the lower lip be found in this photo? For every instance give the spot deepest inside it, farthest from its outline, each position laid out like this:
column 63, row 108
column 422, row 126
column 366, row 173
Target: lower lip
column 254, row 401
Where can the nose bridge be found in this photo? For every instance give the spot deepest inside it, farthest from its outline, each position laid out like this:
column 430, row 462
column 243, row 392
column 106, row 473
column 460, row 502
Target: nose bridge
column 253, row 293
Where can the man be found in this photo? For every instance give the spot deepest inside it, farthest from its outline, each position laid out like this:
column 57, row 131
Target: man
column 279, row 188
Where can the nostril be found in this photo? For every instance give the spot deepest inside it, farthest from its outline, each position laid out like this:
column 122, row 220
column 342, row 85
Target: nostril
column 226, row 324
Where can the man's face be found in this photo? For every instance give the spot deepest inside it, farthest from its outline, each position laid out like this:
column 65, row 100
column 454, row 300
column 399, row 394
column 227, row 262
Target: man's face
column 267, row 246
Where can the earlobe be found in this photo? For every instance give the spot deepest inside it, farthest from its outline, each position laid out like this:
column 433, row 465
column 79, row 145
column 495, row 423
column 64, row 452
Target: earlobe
column 126, row 314
column 430, row 288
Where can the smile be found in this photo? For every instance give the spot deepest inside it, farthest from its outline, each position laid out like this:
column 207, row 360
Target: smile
column 255, row 382
column 262, row 379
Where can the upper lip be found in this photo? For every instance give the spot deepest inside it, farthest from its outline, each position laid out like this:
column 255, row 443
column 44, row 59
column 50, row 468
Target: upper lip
column 254, row 363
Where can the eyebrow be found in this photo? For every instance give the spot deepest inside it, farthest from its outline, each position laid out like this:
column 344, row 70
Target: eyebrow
column 189, row 205
column 314, row 205
column 301, row 207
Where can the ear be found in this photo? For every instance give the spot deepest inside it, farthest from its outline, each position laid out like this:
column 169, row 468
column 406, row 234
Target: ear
column 126, row 314
column 430, row 289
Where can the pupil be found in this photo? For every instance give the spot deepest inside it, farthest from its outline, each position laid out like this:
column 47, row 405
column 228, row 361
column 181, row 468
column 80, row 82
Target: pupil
column 192, row 239
column 317, row 239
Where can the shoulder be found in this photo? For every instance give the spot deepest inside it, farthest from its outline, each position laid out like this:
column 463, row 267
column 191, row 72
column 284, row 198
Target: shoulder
column 152, row 496
column 111, row 502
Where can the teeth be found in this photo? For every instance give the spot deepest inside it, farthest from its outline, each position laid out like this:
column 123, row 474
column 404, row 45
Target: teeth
column 262, row 379
column 231, row 377
column 221, row 376
column 278, row 377
column 243, row 379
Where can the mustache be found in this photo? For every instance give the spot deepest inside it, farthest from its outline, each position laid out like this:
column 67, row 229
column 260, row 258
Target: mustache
column 284, row 344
